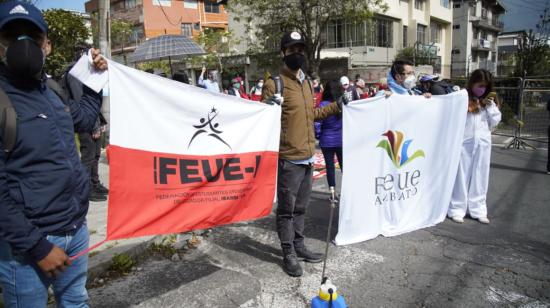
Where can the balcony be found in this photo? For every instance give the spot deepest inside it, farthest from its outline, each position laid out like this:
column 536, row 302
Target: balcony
column 483, row 45
column 489, row 24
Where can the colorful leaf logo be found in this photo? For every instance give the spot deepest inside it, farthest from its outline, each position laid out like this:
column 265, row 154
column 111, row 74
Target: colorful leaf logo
column 397, row 150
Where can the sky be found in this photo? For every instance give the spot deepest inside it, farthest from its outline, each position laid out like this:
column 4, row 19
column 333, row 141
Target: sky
column 520, row 15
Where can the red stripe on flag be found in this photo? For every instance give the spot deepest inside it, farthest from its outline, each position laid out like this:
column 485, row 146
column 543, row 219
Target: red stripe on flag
column 157, row 193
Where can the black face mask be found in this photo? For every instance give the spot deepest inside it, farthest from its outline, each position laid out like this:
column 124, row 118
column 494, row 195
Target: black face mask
column 24, row 58
column 294, row 61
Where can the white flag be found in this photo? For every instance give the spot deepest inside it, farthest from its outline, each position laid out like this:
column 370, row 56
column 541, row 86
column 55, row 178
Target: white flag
column 402, row 155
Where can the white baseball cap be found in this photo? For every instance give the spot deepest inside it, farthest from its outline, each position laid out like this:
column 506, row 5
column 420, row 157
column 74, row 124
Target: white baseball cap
column 344, row 80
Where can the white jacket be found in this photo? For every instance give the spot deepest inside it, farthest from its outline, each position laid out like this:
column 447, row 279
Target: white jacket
column 480, row 124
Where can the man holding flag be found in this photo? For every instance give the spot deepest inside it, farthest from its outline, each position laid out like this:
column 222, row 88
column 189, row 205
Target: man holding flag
column 297, row 147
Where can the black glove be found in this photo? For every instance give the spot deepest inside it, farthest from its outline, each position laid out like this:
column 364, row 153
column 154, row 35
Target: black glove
column 343, row 100
column 275, row 99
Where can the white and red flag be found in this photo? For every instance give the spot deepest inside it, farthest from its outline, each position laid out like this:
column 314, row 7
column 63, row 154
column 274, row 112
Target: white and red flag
column 182, row 158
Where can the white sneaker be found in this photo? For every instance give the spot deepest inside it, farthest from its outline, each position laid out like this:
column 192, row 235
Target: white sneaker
column 484, row 220
column 457, row 219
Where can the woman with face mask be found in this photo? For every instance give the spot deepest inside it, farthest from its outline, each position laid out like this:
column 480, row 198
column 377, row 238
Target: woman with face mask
column 472, row 181
column 256, row 91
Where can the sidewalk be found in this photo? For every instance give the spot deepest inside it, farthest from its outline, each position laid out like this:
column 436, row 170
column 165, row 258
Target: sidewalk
column 100, row 258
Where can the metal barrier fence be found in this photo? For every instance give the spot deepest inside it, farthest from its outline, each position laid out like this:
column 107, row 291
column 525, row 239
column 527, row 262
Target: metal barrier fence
column 523, row 107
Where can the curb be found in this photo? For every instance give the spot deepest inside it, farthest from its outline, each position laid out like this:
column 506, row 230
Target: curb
column 96, row 269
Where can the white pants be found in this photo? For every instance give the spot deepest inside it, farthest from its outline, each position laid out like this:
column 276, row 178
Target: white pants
column 472, row 180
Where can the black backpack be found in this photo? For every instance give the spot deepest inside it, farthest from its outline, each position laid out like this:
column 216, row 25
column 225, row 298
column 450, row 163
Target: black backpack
column 8, row 116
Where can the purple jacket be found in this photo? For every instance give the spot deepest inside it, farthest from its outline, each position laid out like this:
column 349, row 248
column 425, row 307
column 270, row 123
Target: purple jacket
column 329, row 130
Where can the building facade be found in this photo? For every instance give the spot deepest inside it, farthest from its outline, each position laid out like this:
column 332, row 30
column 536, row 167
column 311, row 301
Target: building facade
column 369, row 47
column 476, row 25
column 151, row 18
column 508, row 46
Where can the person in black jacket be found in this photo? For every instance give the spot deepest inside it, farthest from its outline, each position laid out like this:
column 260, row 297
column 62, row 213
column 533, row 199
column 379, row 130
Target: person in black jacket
column 90, row 141
column 43, row 186
column 429, row 84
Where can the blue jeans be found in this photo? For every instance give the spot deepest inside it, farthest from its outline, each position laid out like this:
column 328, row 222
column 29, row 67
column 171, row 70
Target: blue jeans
column 328, row 154
column 25, row 285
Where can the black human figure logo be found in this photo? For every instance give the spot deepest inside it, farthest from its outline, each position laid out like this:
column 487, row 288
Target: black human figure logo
column 209, row 125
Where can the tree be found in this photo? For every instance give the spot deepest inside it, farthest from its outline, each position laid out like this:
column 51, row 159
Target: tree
column 415, row 55
column 533, row 56
column 216, row 43
column 267, row 20
column 120, row 35
column 65, row 30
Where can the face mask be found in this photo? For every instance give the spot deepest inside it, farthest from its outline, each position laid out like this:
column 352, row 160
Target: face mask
column 237, row 85
column 479, row 91
column 294, row 61
column 410, row 82
column 260, row 84
column 24, row 58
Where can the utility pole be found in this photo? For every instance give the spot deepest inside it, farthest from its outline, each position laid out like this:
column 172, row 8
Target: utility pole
column 104, row 28
column 105, row 46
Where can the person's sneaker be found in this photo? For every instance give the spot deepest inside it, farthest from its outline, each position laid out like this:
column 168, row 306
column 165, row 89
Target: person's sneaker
column 308, row 256
column 97, row 197
column 99, row 188
column 484, row 220
column 291, row 266
column 457, row 219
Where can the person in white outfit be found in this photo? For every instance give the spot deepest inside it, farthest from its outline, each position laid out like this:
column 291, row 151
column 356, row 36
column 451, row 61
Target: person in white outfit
column 472, row 181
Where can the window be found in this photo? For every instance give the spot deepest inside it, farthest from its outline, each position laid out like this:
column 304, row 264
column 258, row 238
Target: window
column 484, row 13
column 378, row 32
column 484, row 35
column 210, row 6
column 186, row 29
column 445, row 3
column 435, row 32
column 421, row 34
column 162, row 2
column 476, row 34
column 130, row 4
column 190, row 4
column 382, row 33
column 405, row 29
column 335, row 34
column 419, row 4
column 455, row 27
column 456, row 6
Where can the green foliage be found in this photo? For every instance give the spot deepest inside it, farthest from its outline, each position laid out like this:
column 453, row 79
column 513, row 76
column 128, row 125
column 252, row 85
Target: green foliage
column 162, row 65
column 266, row 20
column 417, row 56
column 166, row 246
column 121, row 263
column 120, row 33
column 65, row 30
column 216, row 43
column 533, row 58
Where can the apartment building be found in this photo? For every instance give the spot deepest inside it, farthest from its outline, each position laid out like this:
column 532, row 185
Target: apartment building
column 476, row 25
column 508, row 46
column 370, row 46
column 151, row 18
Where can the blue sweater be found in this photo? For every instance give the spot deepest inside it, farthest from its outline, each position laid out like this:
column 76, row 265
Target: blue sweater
column 43, row 186
column 329, row 130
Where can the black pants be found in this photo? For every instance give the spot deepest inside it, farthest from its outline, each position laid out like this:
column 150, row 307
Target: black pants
column 90, row 151
column 328, row 154
column 293, row 191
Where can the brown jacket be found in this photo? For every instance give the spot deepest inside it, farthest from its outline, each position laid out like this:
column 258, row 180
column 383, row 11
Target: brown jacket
column 297, row 132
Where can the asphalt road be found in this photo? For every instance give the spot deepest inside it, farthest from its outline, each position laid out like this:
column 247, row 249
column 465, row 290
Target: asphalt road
column 504, row 264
